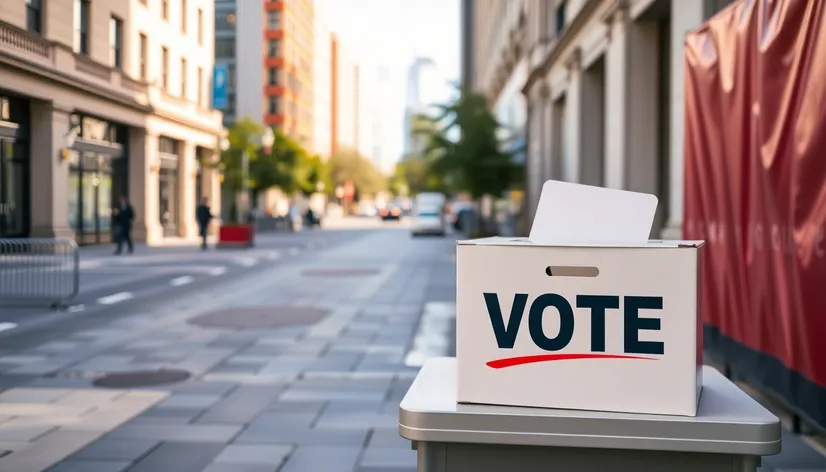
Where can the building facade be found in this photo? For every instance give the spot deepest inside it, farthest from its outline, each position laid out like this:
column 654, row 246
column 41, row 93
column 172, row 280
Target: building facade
column 94, row 104
column 344, row 97
column 604, row 90
column 322, row 86
column 268, row 48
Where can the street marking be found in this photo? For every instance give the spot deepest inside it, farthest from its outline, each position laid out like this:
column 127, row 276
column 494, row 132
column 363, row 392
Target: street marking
column 177, row 282
column 293, row 251
column 218, row 271
column 274, row 256
column 116, row 298
column 247, row 261
column 432, row 337
column 7, row 326
column 76, row 308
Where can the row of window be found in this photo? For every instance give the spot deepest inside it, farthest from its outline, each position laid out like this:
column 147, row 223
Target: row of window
column 184, row 17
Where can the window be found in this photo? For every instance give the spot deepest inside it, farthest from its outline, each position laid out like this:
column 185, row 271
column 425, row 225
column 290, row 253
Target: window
column 183, row 16
column 165, row 68
column 230, row 77
column 115, row 42
column 274, row 48
column 274, row 20
column 81, row 15
column 273, row 76
column 560, row 17
column 201, row 27
column 225, row 47
column 34, row 16
column 143, row 59
column 165, row 9
column 273, row 105
column 183, row 77
column 200, row 88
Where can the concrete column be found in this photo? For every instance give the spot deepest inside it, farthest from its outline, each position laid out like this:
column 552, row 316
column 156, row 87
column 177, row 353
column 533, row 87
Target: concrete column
column 149, row 169
column 187, row 227
column 534, row 163
column 571, row 155
column 547, row 136
column 685, row 16
column 138, row 177
column 49, row 172
column 211, row 185
column 616, row 102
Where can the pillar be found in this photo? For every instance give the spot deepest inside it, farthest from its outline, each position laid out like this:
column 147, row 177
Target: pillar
column 546, row 132
column 572, row 129
column 533, row 167
column 211, row 185
column 616, row 101
column 138, row 176
column 685, row 16
column 143, row 177
column 49, row 172
column 187, row 226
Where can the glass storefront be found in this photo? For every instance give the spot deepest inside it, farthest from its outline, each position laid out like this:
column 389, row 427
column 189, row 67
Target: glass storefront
column 98, row 175
column 15, row 167
column 168, row 185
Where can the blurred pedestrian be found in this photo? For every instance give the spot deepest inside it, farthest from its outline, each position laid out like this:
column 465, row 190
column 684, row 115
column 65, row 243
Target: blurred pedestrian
column 203, row 215
column 124, row 215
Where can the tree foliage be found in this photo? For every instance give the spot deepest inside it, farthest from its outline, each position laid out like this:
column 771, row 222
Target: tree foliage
column 349, row 165
column 242, row 138
column 463, row 149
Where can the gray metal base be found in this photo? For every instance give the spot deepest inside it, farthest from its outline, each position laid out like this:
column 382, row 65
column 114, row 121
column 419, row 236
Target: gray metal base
column 462, row 457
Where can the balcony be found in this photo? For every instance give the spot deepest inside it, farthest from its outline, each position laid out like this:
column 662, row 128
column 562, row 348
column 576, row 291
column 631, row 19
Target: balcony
column 53, row 58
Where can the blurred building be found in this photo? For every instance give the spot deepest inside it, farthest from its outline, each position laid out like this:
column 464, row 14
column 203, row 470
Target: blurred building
column 272, row 79
column 322, row 86
column 426, row 88
column 604, row 89
column 99, row 99
column 345, row 98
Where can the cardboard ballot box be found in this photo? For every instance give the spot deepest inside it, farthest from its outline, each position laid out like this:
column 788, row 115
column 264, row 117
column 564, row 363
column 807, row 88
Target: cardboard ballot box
column 585, row 314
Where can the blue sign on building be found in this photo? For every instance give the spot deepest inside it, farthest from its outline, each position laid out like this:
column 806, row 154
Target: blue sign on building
column 219, row 86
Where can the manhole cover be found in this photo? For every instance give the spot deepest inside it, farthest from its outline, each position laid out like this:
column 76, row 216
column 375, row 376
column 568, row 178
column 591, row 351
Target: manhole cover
column 339, row 272
column 261, row 317
column 146, row 378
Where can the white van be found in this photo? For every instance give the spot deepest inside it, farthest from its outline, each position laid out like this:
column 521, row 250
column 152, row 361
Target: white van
column 429, row 214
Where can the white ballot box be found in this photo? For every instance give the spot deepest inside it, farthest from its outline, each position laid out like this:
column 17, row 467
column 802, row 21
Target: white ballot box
column 586, row 314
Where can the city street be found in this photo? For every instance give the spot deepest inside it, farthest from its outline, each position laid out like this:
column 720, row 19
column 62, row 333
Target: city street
column 291, row 356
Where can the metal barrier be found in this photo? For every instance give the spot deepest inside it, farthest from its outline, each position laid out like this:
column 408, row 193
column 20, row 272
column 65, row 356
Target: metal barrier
column 35, row 270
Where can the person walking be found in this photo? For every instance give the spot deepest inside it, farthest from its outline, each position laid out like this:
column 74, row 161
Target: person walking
column 124, row 215
column 203, row 215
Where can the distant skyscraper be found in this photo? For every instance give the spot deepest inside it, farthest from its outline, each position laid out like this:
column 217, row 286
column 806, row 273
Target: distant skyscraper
column 426, row 87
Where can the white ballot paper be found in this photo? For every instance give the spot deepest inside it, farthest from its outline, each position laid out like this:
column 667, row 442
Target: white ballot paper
column 577, row 214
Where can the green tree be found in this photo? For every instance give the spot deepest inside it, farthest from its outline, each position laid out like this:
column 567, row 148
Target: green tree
column 286, row 166
column 318, row 172
column 242, row 138
column 349, row 165
column 464, row 149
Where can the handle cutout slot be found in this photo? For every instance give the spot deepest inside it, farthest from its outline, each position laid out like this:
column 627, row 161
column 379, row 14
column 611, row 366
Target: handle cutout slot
column 571, row 271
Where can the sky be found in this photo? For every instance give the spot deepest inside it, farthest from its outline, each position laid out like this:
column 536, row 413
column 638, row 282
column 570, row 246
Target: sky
column 389, row 35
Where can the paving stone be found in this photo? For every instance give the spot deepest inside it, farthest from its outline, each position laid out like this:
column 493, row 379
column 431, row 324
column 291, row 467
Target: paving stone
column 181, row 433
column 239, row 468
column 178, row 457
column 357, row 420
column 388, row 438
column 115, row 450
column 203, row 388
column 189, row 400
column 333, row 395
column 328, row 459
column 303, row 436
column 250, row 369
column 335, row 407
column 282, row 420
column 47, row 451
column 251, row 379
column 242, row 406
column 174, row 415
column 254, row 454
column 297, row 406
column 33, row 395
column 90, row 466
column 388, row 457
column 23, row 430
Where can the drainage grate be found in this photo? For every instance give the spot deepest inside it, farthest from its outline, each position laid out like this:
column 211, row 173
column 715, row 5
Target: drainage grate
column 145, row 378
column 339, row 272
column 261, row 317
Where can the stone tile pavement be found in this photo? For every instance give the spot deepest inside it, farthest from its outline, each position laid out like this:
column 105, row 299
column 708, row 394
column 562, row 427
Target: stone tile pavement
column 322, row 397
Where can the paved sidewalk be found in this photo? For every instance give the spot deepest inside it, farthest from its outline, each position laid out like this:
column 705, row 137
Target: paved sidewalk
column 305, row 398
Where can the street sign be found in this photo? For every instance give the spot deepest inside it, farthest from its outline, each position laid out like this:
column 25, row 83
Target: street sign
column 220, row 75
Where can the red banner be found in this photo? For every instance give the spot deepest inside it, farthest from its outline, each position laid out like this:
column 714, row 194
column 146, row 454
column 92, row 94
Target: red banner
column 755, row 190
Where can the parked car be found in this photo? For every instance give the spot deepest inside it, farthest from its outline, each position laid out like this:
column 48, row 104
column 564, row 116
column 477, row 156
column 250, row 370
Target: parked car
column 390, row 212
column 429, row 215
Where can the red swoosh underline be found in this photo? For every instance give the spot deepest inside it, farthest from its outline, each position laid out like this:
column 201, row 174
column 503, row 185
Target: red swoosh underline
column 521, row 360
